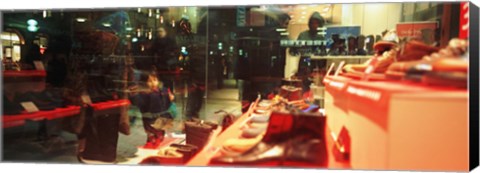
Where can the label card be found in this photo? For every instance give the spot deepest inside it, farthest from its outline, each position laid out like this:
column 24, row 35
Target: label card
column 29, row 107
column 86, row 99
column 39, row 65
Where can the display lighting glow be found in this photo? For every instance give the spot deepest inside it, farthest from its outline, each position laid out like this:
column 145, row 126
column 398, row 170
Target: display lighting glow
column 185, row 10
column 157, row 16
column 81, row 20
column 32, row 25
column 44, row 13
column 139, row 10
column 107, row 24
column 150, row 35
column 128, row 36
column 129, row 28
column 161, row 19
column 150, row 13
column 173, row 23
column 280, row 29
column 32, row 22
column 134, row 39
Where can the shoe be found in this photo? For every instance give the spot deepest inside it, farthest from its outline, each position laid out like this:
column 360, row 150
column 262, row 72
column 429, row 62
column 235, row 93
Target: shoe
column 188, row 151
column 448, row 59
column 361, row 45
column 289, row 137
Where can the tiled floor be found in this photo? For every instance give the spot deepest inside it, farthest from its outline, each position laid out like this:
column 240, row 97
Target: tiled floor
column 20, row 145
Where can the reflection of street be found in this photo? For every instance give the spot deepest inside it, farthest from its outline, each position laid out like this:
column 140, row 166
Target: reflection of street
column 21, row 146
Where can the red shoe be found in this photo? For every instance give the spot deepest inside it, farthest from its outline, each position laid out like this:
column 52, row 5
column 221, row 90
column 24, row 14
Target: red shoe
column 148, row 145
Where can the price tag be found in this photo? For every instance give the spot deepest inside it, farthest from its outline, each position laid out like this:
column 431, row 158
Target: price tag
column 339, row 68
column 86, row 99
column 39, row 65
column 29, row 107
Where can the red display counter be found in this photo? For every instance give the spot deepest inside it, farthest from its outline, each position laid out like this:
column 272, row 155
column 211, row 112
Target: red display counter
column 400, row 125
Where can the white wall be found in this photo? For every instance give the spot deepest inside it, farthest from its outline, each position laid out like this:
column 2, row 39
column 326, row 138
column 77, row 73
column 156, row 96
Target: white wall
column 373, row 18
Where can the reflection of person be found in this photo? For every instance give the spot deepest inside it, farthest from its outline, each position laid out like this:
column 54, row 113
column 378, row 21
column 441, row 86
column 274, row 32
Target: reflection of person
column 314, row 22
column 164, row 50
column 154, row 104
column 33, row 54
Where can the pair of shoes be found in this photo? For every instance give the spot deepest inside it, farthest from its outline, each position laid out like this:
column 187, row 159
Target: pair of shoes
column 289, row 137
column 449, row 66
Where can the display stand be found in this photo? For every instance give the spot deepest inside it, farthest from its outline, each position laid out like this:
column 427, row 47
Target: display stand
column 19, row 120
column 400, row 125
column 203, row 157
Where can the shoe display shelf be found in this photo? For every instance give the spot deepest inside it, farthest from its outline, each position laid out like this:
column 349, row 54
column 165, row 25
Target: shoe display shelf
column 204, row 157
column 399, row 125
column 24, row 80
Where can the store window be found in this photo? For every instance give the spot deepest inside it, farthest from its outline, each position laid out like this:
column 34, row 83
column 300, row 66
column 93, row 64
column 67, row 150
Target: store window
column 121, row 83
column 13, row 42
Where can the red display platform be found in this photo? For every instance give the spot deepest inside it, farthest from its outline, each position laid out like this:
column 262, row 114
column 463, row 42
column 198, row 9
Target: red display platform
column 24, row 73
column 18, row 120
column 110, row 104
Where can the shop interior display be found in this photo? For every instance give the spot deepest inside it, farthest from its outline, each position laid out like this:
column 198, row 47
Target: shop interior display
column 309, row 86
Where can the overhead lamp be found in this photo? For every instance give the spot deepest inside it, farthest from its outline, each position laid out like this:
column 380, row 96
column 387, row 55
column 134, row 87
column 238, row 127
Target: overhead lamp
column 326, row 9
column 44, row 13
column 129, row 28
column 139, row 10
column 81, row 19
column 134, row 39
column 107, row 24
column 32, row 25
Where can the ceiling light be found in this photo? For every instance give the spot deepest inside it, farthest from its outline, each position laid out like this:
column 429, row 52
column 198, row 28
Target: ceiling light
column 44, row 13
column 107, row 24
column 280, row 29
column 81, row 19
column 134, row 39
column 129, row 28
column 139, row 10
column 284, row 33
